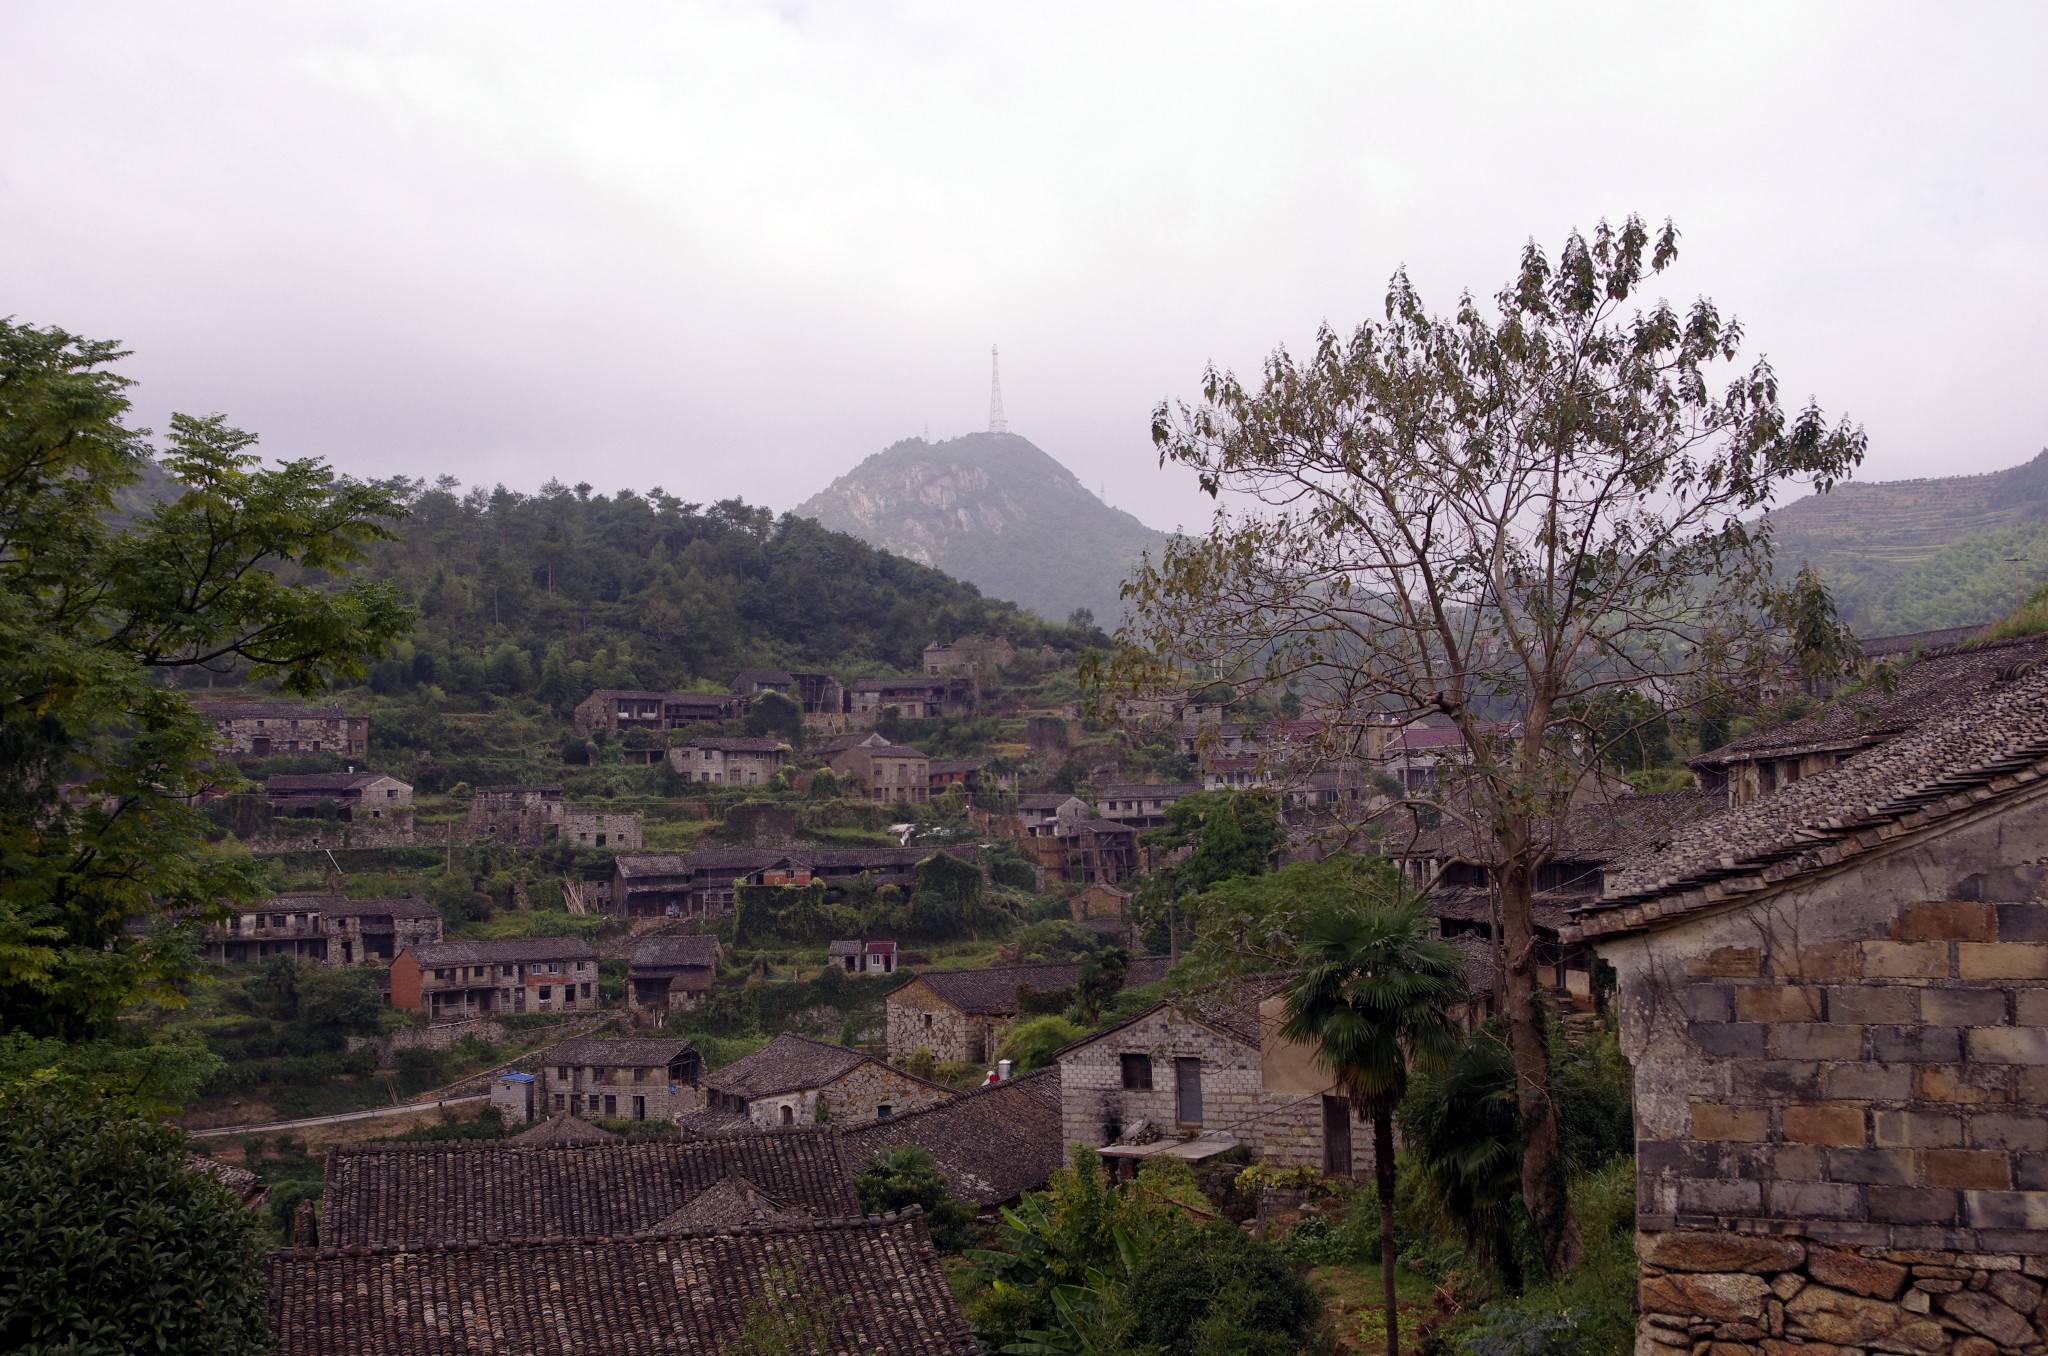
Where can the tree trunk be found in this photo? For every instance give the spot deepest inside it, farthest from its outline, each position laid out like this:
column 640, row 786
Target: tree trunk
column 1383, row 1173
column 1543, row 1185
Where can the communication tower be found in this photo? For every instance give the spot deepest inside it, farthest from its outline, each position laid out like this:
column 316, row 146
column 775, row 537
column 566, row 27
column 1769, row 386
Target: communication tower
column 996, row 422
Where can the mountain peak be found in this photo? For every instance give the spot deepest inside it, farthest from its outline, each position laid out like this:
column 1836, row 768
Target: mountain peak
column 996, row 510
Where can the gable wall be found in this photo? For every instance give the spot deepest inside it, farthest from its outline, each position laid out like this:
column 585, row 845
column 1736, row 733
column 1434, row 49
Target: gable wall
column 851, row 1099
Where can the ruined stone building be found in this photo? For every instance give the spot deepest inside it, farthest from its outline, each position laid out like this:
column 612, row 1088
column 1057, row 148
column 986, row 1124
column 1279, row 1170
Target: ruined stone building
column 794, row 1080
column 672, row 973
column 617, row 710
column 993, row 1144
column 961, row 1016
column 264, row 729
column 324, row 928
column 911, row 698
column 1835, row 997
column 982, row 656
column 1140, row 805
column 459, row 981
column 354, row 809
column 701, row 884
column 817, row 693
column 1192, row 1081
column 533, row 815
column 893, row 774
column 730, row 760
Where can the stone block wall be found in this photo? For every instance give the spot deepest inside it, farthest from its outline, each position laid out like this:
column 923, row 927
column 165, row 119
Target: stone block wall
column 1095, row 1106
column 919, row 1020
column 856, row 1097
column 1724, row 1294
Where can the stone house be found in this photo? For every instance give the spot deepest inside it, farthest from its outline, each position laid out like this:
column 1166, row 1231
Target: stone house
column 729, row 760
column 979, row 655
column 964, row 773
column 960, row 1016
column 1099, row 902
column 993, row 1144
column 701, row 884
column 1090, row 850
column 672, row 973
column 457, row 981
column 1191, row 1081
column 325, row 928
column 1835, row 998
column 532, row 815
column 794, row 1080
column 862, row 958
column 1039, row 811
column 1140, row 805
column 261, row 729
column 892, row 773
column 617, row 710
column 912, row 698
column 352, row 796
column 633, row 1079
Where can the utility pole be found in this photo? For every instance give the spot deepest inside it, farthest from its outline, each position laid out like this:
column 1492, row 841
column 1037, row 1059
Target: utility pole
column 996, row 422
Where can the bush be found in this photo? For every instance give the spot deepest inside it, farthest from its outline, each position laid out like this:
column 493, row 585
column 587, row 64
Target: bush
column 907, row 1176
column 1219, row 1289
column 1034, row 1042
column 110, row 1242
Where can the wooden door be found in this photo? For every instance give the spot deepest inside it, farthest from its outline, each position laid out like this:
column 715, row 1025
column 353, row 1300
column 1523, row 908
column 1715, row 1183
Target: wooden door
column 1187, row 1089
column 1336, row 1136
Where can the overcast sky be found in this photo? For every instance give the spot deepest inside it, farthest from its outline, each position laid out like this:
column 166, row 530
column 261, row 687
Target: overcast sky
column 733, row 248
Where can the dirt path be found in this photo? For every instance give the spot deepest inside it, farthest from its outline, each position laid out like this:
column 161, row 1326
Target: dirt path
column 340, row 1117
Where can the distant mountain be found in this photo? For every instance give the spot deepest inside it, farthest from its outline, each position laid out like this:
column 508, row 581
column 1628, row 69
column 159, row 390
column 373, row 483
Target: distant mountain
column 994, row 510
column 1914, row 555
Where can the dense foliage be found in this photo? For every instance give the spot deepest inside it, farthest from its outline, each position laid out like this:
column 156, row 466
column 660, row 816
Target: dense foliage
column 110, row 1242
column 1217, row 1289
column 906, row 1176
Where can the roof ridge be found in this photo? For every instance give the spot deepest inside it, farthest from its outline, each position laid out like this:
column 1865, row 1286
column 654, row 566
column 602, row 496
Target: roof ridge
column 801, row 1224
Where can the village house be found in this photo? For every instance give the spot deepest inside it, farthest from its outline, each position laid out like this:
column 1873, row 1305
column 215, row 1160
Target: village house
column 816, row 693
column 1099, row 902
column 1834, row 995
column 960, row 1016
column 262, row 729
column 350, row 796
column 324, row 928
column 979, row 655
column 623, row 1294
column 580, row 1185
column 892, row 773
column 862, row 958
column 533, row 815
column 672, row 973
column 630, row 1079
column 1196, row 1080
column 910, row 698
column 729, row 760
column 1038, row 811
column 1090, row 850
column 993, row 1144
column 964, row 773
column 701, row 884
column 794, row 1080
column 1140, row 805
column 458, row 981
column 617, row 710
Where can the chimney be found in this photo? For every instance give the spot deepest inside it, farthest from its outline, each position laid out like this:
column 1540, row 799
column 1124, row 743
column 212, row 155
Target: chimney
column 1003, row 1067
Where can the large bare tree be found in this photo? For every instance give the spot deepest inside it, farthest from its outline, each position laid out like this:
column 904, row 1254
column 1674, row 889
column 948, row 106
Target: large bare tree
column 1510, row 515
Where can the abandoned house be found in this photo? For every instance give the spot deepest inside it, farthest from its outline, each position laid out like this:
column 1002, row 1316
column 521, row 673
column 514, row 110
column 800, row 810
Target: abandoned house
column 617, row 710
column 701, row 884
column 964, row 773
column 1195, row 1080
column 1099, row 902
column 261, row 729
column 457, row 981
column 623, row 1294
column 1835, row 997
column 1089, row 850
column 729, row 760
column 531, row 816
column 615, row 1079
column 324, row 928
column 794, row 1080
column 350, row 796
column 978, row 655
column 910, row 698
column 816, row 693
column 671, row 973
column 469, row 1191
column 960, row 1016
column 1140, row 805
column 892, row 773
column 993, row 1144
column 862, row 958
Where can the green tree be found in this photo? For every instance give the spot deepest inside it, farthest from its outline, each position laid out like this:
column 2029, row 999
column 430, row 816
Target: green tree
column 1375, row 998
column 1225, row 835
column 906, row 1176
column 111, row 1242
column 772, row 713
column 105, row 596
column 1217, row 1289
column 946, row 898
column 1032, row 1043
column 1493, row 515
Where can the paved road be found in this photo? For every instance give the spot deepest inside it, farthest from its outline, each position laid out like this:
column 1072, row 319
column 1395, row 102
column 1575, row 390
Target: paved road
column 402, row 1109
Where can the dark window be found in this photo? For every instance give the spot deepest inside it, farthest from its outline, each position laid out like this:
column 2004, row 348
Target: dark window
column 1187, row 1088
column 882, row 1111
column 611, row 1105
column 546, row 993
column 1137, row 1073
column 788, row 1116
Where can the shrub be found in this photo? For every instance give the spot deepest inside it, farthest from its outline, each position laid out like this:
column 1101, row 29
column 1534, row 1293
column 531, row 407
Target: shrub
column 907, row 1176
column 1033, row 1043
column 1219, row 1289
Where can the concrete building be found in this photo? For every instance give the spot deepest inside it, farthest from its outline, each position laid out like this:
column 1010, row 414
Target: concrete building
column 458, row 981
column 264, row 729
column 324, row 928
column 862, row 958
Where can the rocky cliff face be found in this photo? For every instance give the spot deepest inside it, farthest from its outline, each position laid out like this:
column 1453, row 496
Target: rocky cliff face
column 996, row 511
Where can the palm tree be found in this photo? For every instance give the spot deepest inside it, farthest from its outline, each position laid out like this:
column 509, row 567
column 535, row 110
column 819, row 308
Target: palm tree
column 1376, row 998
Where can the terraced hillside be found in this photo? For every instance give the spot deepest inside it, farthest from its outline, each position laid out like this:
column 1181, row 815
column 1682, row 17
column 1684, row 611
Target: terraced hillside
column 1910, row 555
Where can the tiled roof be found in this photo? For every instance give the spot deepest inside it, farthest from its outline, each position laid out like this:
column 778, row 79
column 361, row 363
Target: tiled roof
column 992, row 1144
column 953, row 767
column 506, row 952
column 655, row 1292
column 323, row 781
column 992, row 990
column 1594, row 831
column 641, row 1052
column 561, row 1130
column 269, row 709
column 836, row 950
column 846, row 741
column 412, row 906
column 1552, row 910
column 246, row 1185
column 883, row 684
column 1986, row 742
column 731, row 1202
column 521, row 788
column 887, row 750
column 688, row 951
column 1234, row 1012
column 1044, row 800
column 1929, row 688
column 1881, row 647
column 473, row 1191
column 739, row 861
column 637, row 694
column 1481, row 975
column 1147, row 791
column 786, row 1064
column 736, row 743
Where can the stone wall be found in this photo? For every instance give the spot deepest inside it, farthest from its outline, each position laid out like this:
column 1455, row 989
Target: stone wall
column 596, row 828
column 1723, row 1294
column 852, row 1099
column 919, row 1020
column 1095, row 1106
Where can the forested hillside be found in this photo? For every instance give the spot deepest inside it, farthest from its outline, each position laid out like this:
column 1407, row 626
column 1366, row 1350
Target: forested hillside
column 1915, row 555
column 555, row 593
